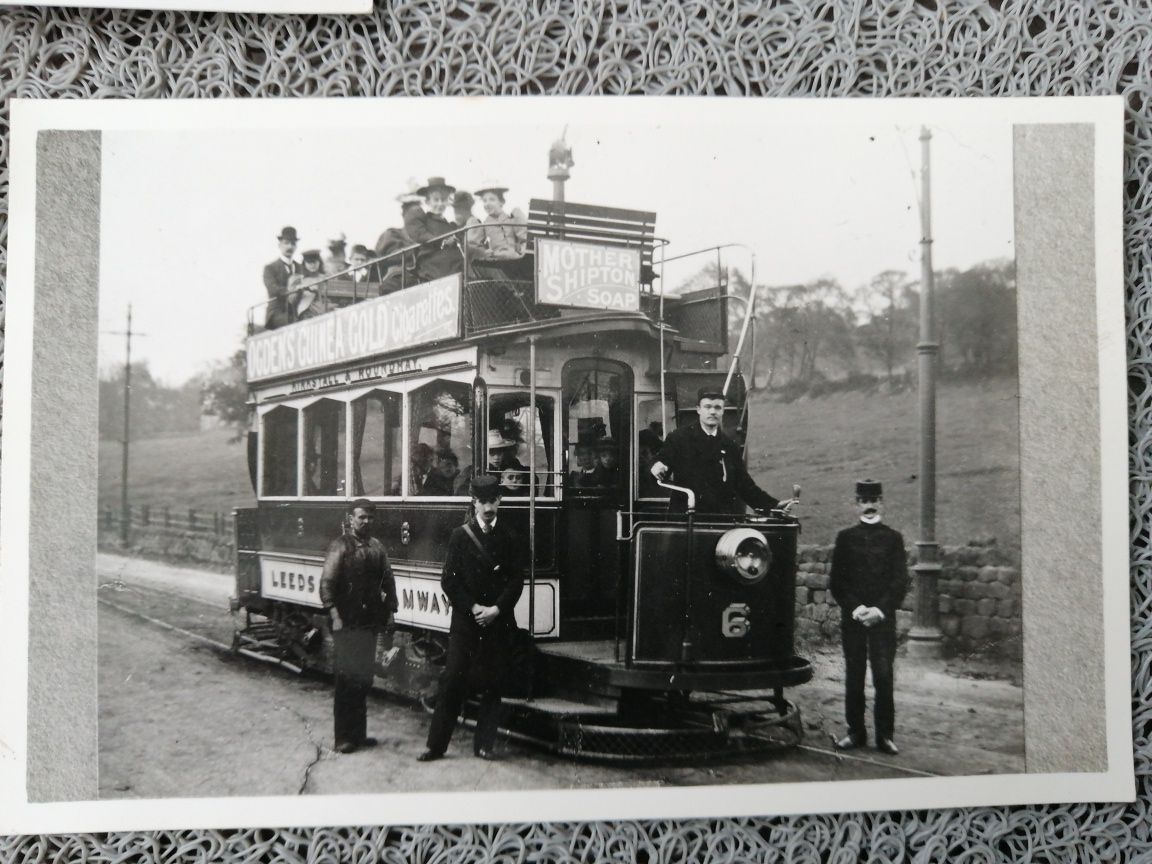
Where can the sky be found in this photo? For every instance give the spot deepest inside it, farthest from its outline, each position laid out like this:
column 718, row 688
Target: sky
column 189, row 218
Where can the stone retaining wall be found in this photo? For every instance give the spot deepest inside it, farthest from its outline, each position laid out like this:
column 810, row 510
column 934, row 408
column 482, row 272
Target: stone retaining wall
column 979, row 589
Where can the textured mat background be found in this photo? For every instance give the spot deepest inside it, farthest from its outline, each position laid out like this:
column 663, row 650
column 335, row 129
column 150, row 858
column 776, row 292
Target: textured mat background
column 722, row 47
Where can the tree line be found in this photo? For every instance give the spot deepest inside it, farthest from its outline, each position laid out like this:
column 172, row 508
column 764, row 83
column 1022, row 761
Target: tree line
column 819, row 335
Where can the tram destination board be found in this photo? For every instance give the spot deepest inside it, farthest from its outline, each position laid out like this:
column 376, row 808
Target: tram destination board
column 781, row 446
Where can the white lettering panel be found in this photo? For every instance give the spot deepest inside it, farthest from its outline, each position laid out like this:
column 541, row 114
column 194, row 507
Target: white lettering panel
column 424, row 604
column 295, row 580
column 587, row 275
column 415, row 316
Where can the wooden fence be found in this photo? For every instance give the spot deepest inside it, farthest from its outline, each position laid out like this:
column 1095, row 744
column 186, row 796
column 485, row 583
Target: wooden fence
column 189, row 521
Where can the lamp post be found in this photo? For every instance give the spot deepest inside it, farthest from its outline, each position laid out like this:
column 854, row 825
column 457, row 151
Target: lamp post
column 925, row 638
column 559, row 163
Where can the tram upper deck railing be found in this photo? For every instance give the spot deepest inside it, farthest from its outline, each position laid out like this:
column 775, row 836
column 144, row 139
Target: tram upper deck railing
column 500, row 293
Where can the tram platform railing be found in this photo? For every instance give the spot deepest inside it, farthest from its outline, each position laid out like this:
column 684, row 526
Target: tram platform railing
column 497, row 292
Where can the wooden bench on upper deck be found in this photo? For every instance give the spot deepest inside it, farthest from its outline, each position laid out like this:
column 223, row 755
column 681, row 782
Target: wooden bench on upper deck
column 591, row 223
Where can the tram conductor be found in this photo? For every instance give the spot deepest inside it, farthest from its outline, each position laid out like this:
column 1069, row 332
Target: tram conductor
column 702, row 458
column 868, row 580
column 358, row 591
column 483, row 581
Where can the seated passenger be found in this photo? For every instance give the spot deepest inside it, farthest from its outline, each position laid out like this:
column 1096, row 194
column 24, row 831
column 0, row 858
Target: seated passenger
column 502, row 461
column 462, row 204
column 309, row 301
column 420, row 463
column 279, row 310
column 441, row 479
column 359, row 261
column 392, row 241
column 607, row 472
column 500, row 237
column 436, row 258
column 583, row 476
column 337, row 261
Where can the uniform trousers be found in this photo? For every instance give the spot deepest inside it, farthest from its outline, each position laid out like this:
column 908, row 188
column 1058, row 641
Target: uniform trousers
column 355, row 658
column 474, row 657
column 876, row 647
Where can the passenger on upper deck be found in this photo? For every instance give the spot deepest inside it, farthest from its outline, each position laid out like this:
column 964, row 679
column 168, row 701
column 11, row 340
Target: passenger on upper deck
column 336, row 261
column 393, row 240
column 440, row 259
column 359, row 261
column 276, row 275
column 500, row 238
column 308, row 303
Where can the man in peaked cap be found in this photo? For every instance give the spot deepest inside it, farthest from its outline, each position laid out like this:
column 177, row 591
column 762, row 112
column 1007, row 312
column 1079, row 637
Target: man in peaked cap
column 868, row 579
column 702, row 458
column 483, row 581
column 276, row 275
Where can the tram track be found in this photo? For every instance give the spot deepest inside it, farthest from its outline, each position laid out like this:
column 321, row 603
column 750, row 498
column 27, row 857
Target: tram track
column 225, row 648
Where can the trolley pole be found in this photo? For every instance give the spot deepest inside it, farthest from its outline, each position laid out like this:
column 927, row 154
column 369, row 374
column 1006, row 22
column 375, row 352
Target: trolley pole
column 925, row 638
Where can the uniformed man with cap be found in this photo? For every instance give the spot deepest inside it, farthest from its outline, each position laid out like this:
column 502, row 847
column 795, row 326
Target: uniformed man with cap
column 702, row 458
column 868, row 580
column 483, row 581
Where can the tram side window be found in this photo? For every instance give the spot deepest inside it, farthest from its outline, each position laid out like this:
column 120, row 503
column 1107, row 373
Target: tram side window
column 596, row 430
column 650, row 435
column 279, row 448
column 513, row 432
column 440, row 439
column 324, row 447
column 377, row 449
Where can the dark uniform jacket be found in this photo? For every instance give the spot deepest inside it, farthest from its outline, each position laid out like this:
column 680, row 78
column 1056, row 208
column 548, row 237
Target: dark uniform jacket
column 712, row 468
column 280, row 309
column 468, row 579
column 432, row 261
column 358, row 581
column 869, row 568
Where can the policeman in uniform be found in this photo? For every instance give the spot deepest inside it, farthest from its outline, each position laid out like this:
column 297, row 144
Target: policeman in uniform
column 702, row 458
column 359, row 593
column 482, row 578
column 868, row 580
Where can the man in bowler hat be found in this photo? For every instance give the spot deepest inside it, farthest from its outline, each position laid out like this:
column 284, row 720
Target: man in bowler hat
column 702, row 458
column 359, row 593
column 868, row 580
column 280, row 310
column 482, row 578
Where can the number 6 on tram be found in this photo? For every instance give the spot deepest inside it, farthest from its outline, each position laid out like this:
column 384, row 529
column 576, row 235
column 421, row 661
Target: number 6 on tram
column 659, row 635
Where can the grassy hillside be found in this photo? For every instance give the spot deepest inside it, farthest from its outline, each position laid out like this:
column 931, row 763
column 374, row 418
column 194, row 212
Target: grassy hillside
column 201, row 470
column 825, row 444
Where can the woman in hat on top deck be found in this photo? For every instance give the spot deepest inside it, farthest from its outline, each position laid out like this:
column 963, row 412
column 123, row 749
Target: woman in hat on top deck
column 310, row 301
column 425, row 225
column 504, row 235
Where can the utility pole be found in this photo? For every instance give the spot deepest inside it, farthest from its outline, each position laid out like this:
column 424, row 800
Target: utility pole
column 925, row 638
column 125, row 512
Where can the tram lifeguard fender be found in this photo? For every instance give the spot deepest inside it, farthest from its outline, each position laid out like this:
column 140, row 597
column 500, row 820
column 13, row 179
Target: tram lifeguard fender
column 742, row 621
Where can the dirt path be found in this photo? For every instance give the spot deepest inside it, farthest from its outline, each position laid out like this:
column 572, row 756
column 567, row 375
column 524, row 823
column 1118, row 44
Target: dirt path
column 179, row 717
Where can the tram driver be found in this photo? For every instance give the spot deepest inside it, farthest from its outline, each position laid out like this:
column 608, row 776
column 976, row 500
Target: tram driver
column 702, row 458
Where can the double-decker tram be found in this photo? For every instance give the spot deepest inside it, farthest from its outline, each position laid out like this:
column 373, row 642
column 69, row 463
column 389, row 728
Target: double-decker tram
column 659, row 634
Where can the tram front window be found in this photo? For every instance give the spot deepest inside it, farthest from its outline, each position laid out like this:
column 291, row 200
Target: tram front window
column 440, row 439
column 513, row 432
column 279, row 446
column 377, row 452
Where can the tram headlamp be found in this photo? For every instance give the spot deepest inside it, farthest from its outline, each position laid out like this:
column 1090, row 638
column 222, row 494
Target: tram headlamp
column 744, row 555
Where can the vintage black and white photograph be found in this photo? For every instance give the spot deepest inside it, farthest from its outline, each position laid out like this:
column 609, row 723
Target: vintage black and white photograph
column 573, row 449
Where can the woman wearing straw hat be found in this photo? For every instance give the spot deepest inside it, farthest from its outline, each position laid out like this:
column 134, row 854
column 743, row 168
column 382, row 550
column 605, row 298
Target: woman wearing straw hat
column 504, row 235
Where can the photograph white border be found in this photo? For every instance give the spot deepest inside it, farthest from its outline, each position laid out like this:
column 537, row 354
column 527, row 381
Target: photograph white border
column 29, row 117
